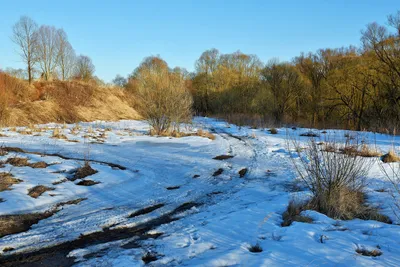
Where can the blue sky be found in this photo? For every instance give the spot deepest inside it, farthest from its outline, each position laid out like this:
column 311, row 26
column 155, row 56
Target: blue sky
column 117, row 35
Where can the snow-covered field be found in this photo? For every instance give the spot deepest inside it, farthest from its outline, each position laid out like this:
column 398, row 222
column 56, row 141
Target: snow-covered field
column 219, row 216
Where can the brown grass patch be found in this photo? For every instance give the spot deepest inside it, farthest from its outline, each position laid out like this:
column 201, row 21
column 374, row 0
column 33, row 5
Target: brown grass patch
column 366, row 151
column 66, row 101
column 273, row 131
column 12, row 224
column 390, row 157
column 7, row 180
column 369, row 253
column 23, row 162
column 39, row 165
column 205, row 134
column 292, row 214
column 18, row 162
column 84, row 171
column 3, row 152
column 38, row 190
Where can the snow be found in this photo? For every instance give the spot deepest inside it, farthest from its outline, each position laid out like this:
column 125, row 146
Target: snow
column 235, row 214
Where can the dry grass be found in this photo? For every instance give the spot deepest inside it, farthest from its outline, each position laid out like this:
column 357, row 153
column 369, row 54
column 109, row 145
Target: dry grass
column 11, row 224
column 273, row 131
column 39, row 165
column 205, row 134
column 366, row 151
column 58, row 134
column 7, row 180
column 84, row 171
column 37, row 191
column 390, row 157
column 369, row 253
column 18, row 162
column 292, row 214
column 68, row 101
column 337, row 181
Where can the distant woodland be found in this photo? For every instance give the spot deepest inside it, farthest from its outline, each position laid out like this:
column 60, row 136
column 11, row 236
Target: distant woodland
column 350, row 87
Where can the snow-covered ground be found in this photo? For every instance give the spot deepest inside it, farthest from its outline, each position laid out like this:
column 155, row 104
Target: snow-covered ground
column 229, row 213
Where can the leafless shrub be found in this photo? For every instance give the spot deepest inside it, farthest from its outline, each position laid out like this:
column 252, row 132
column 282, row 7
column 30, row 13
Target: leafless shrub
column 162, row 97
column 337, row 180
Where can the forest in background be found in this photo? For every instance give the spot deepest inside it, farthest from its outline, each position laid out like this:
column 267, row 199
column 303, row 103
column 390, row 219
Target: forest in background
column 350, row 87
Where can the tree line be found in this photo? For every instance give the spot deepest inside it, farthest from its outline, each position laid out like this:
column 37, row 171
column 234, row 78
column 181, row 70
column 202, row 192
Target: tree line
column 349, row 87
column 47, row 53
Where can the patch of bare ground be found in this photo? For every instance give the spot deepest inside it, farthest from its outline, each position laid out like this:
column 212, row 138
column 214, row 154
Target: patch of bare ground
column 46, row 257
column 310, row 134
column 243, row 172
column 223, row 157
column 84, row 171
column 19, row 150
column 369, row 253
column 149, row 257
column 218, row 172
column 38, row 190
column 173, row 187
column 60, row 181
column 12, row 224
column 7, row 180
column 146, row 210
column 87, row 183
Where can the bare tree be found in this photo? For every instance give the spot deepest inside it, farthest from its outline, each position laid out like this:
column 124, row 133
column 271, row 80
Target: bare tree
column 84, row 68
column 394, row 21
column 24, row 36
column 119, row 81
column 66, row 54
column 283, row 80
column 47, row 50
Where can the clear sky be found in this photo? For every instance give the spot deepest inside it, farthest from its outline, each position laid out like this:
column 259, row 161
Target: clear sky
column 117, row 34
